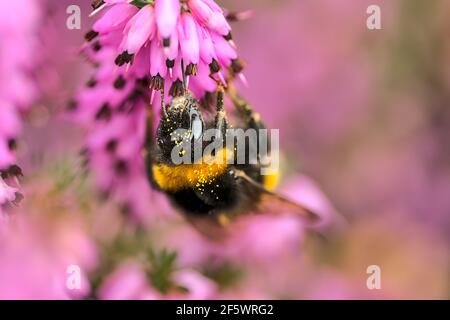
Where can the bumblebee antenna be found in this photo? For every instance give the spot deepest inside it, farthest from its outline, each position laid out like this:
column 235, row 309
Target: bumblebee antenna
column 163, row 104
column 185, row 78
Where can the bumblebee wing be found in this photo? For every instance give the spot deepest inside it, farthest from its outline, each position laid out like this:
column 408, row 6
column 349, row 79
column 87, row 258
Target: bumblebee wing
column 274, row 202
column 214, row 228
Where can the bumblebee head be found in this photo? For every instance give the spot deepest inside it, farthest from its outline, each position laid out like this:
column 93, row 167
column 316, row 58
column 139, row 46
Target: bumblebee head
column 182, row 123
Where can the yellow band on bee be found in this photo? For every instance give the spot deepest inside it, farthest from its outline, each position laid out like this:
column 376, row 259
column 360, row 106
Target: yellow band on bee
column 177, row 177
column 270, row 181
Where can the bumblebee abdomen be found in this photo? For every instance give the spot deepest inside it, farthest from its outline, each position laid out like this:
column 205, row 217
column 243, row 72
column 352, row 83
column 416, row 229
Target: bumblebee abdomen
column 202, row 188
column 188, row 201
column 222, row 196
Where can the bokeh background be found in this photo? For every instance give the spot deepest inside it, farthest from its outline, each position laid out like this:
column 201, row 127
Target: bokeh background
column 364, row 119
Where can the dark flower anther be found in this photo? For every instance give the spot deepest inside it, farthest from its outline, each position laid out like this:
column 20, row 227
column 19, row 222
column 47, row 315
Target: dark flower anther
column 166, row 42
column 132, row 97
column 97, row 4
column 12, row 144
column 143, row 82
column 177, row 88
column 12, row 171
column 125, row 209
column 232, row 16
column 123, row 58
column 19, row 197
column 121, row 167
column 91, row 35
column 104, row 113
column 91, row 83
column 72, row 105
column 191, row 69
column 157, row 82
column 228, row 37
column 214, row 66
column 238, row 16
column 237, row 65
column 120, row 82
column 15, row 171
column 111, row 145
column 170, row 63
column 97, row 46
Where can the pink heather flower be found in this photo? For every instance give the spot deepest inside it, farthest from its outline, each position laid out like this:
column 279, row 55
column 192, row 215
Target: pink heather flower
column 199, row 287
column 195, row 33
column 246, row 244
column 140, row 50
column 130, row 281
column 249, row 243
column 167, row 14
column 114, row 110
column 7, row 193
column 211, row 15
column 17, row 90
column 139, row 29
column 189, row 40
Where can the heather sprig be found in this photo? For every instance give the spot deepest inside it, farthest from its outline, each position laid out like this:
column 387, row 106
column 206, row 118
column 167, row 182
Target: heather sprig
column 143, row 50
column 17, row 89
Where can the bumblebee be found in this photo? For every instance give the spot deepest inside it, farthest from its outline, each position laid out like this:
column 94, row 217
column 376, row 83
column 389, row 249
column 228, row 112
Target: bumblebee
column 211, row 194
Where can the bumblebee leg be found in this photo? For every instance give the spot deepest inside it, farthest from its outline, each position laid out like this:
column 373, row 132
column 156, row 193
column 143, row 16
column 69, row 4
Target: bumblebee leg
column 245, row 111
column 163, row 105
column 252, row 120
column 221, row 122
column 149, row 144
